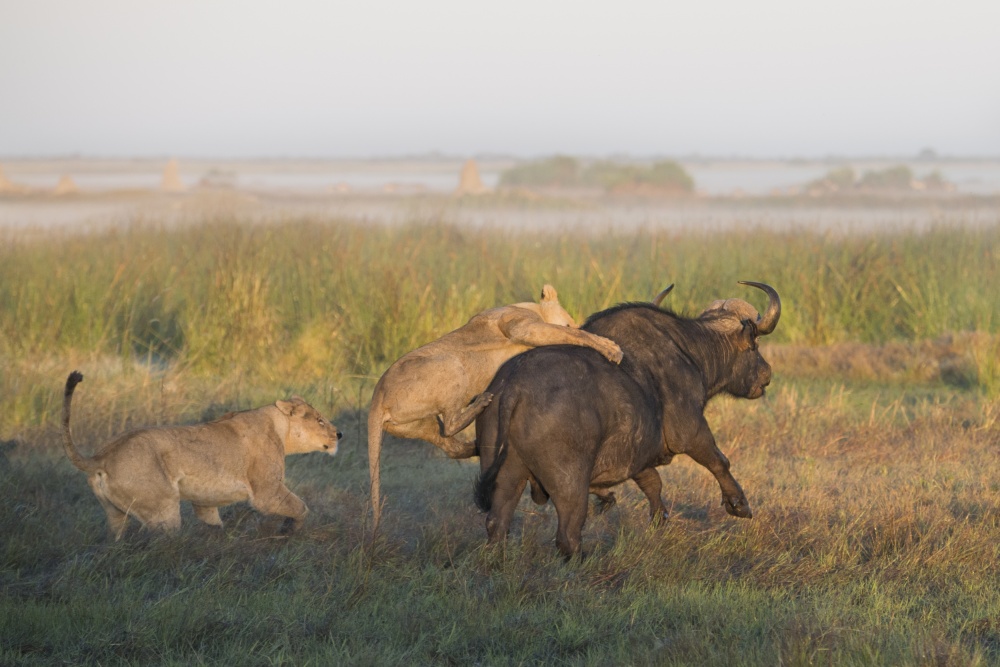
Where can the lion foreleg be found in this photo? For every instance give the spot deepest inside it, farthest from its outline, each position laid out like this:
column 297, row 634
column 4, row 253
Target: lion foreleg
column 282, row 502
column 207, row 514
column 537, row 334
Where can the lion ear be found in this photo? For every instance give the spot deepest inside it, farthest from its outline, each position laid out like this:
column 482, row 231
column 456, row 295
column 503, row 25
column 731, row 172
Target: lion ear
column 549, row 293
column 286, row 407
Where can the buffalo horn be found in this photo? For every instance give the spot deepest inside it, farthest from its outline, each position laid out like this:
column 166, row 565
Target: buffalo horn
column 769, row 319
column 659, row 297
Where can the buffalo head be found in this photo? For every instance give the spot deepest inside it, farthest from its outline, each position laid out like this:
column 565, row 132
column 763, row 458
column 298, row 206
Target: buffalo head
column 742, row 325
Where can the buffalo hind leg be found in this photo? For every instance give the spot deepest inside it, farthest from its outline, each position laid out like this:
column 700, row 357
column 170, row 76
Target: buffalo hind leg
column 649, row 483
column 572, row 510
column 510, row 482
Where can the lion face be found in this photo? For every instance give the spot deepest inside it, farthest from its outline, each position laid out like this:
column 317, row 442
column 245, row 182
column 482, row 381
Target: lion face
column 308, row 430
column 551, row 311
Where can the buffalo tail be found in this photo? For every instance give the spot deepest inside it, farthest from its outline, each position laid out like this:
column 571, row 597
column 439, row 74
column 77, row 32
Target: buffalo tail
column 487, row 481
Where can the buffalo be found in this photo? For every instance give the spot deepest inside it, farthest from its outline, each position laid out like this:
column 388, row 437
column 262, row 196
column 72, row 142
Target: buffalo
column 571, row 423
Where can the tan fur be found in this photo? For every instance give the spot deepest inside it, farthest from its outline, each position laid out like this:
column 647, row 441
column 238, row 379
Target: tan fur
column 238, row 457
column 428, row 394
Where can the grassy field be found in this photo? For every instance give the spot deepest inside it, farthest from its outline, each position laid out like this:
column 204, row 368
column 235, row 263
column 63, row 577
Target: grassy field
column 872, row 465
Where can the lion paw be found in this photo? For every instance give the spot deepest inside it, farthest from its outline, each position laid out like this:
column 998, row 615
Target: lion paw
column 614, row 354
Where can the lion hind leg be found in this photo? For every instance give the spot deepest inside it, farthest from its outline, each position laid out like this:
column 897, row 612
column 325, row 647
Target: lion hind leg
column 454, row 423
column 117, row 519
column 429, row 430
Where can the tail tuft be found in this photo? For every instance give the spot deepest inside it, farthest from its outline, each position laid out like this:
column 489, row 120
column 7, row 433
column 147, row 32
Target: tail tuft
column 75, row 378
column 83, row 463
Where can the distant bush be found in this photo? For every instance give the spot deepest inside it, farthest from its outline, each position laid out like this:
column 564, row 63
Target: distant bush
column 842, row 177
column 896, row 178
column 899, row 177
column 560, row 171
column 935, row 181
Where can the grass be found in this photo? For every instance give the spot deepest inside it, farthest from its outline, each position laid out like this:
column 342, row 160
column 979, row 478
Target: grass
column 871, row 465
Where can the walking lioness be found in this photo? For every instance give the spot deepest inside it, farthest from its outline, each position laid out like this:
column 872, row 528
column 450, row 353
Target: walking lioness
column 240, row 456
column 437, row 390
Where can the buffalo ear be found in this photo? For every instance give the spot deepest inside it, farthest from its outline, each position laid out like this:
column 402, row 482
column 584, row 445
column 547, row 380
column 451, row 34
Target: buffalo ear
column 549, row 293
column 287, row 407
column 748, row 335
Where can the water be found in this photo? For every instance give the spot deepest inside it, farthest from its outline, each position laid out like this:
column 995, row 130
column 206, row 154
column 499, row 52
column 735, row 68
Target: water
column 441, row 176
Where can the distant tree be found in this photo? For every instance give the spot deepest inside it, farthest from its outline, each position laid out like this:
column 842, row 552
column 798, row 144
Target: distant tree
column 561, row 171
column 669, row 174
column 842, row 177
column 899, row 177
column 666, row 176
column 609, row 175
column 935, row 181
column 557, row 171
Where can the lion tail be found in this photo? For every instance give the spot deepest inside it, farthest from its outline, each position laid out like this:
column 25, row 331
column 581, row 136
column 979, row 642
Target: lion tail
column 86, row 465
column 376, row 423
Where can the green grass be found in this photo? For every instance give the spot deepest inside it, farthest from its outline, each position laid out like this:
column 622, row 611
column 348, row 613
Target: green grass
column 214, row 294
column 871, row 465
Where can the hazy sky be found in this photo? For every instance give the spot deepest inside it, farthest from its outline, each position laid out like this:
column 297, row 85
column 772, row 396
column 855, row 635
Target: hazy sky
column 227, row 78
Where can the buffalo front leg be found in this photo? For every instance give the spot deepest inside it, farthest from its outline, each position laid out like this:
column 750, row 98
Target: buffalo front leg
column 650, row 484
column 704, row 450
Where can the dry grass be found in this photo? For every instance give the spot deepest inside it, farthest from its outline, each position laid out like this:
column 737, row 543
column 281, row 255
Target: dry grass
column 872, row 470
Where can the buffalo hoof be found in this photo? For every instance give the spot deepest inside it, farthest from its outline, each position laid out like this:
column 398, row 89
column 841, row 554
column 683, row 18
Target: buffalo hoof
column 738, row 507
column 659, row 519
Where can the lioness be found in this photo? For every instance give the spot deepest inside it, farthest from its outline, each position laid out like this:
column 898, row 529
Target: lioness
column 240, row 456
column 437, row 390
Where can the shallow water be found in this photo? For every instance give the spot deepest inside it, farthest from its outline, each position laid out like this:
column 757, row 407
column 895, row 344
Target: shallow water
column 720, row 177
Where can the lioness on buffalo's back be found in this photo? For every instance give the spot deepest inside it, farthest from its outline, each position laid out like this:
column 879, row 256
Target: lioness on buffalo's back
column 435, row 391
column 146, row 473
column 568, row 423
